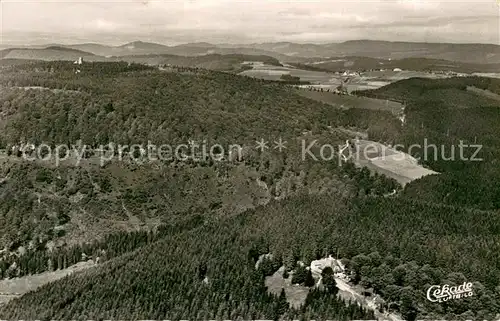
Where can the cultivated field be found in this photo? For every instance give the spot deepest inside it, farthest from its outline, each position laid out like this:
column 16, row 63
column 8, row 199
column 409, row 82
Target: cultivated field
column 392, row 163
column 330, row 80
column 270, row 72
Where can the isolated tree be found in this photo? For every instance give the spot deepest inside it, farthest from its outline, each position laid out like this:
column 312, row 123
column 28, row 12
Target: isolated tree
column 328, row 278
column 282, row 305
column 299, row 276
column 309, row 281
column 202, row 270
column 399, row 274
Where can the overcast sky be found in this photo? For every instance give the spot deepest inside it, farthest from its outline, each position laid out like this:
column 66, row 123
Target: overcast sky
column 233, row 21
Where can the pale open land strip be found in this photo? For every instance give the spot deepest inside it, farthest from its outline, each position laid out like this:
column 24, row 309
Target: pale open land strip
column 402, row 165
column 485, row 93
column 16, row 287
column 346, row 101
column 392, row 163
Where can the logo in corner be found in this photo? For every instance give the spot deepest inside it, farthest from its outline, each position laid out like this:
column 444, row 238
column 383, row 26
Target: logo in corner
column 437, row 293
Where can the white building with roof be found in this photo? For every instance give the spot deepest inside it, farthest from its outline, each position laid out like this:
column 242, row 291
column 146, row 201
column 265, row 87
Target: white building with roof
column 318, row 266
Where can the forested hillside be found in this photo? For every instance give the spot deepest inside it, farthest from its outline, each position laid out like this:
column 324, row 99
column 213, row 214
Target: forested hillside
column 229, row 61
column 46, row 203
column 120, row 103
column 399, row 265
column 444, row 113
column 179, row 239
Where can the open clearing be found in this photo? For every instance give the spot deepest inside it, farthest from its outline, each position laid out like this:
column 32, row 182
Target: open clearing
column 401, row 167
column 484, row 93
column 55, row 91
column 345, row 101
column 270, row 72
column 331, row 80
column 352, row 293
column 13, row 288
column 385, row 160
column 487, row 74
column 295, row 294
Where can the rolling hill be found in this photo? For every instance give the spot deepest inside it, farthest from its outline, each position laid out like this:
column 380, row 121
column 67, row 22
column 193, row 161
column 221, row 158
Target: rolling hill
column 470, row 53
column 179, row 238
column 295, row 52
column 229, row 62
column 190, row 49
column 355, row 63
column 57, row 106
column 446, row 113
column 49, row 53
column 226, row 62
column 380, row 51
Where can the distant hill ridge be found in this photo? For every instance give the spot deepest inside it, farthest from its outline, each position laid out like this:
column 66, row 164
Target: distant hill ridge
column 283, row 51
column 48, row 53
column 85, row 53
column 295, row 52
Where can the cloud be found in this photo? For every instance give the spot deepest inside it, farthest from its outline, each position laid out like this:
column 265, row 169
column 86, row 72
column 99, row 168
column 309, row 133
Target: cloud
column 102, row 25
column 259, row 20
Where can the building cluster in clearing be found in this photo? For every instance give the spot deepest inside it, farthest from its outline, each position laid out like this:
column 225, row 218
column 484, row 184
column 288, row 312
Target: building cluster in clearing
column 318, row 266
column 296, row 294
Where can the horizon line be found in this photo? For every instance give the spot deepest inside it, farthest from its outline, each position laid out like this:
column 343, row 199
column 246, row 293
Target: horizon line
column 319, row 43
